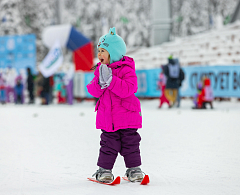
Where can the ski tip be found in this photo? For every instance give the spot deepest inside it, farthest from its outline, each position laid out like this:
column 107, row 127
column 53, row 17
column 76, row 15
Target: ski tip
column 145, row 180
column 116, row 181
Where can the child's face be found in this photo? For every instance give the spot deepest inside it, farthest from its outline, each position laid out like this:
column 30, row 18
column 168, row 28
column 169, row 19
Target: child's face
column 103, row 56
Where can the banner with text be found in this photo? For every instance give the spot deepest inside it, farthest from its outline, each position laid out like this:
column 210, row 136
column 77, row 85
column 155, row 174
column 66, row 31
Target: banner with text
column 52, row 61
column 225, row 80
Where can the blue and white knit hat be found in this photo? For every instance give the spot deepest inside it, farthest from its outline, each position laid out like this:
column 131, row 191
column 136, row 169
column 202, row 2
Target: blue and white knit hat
column 114, row 44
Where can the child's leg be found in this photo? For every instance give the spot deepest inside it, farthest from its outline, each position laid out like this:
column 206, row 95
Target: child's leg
column 130, row 141
column 164, row 98
column 161, row 102
column 110, row 146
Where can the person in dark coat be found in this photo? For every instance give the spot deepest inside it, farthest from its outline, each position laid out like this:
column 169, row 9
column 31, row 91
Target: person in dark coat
column 30, row 86
column 46, row 90
column 172, row 72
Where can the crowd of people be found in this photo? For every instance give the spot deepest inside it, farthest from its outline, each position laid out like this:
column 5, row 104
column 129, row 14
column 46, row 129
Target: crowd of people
column 12, row 86
column 15, row 87
column 24, row 87
column 170, row 82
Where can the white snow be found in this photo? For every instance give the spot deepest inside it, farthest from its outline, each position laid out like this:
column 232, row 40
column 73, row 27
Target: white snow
column 51, row 150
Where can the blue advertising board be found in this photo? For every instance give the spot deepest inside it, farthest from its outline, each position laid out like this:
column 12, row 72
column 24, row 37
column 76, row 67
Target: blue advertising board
column 148, row 83
column 18, row 52
column 225, row 80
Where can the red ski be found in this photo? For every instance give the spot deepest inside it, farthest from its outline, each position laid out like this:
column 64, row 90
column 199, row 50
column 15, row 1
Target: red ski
column 145, row 180
column 114, row 182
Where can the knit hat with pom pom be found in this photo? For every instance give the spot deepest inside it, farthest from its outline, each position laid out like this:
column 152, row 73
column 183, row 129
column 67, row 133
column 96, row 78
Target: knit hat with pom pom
column 114, row 44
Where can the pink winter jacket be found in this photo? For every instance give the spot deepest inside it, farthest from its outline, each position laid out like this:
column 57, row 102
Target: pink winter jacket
column 117, row 107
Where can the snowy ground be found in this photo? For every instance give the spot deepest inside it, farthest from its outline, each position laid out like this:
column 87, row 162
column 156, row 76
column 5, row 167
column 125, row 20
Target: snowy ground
column 51, row 150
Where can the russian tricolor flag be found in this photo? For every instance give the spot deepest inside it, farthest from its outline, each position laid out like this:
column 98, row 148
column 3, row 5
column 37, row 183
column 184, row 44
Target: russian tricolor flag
column 69, row 37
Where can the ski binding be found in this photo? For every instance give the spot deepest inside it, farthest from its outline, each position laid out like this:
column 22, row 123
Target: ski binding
column 114, row 182
column 145, row 180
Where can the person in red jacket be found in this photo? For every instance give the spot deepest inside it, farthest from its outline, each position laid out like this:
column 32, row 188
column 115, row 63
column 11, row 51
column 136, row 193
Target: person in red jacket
column 204, row 95
column 162, row 85
column 207, row 93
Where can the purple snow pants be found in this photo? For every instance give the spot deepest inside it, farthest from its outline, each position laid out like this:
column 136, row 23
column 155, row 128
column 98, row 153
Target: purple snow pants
column 123, row 141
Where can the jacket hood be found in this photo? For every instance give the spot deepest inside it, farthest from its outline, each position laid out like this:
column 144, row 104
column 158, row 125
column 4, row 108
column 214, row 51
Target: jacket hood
column 124, row 61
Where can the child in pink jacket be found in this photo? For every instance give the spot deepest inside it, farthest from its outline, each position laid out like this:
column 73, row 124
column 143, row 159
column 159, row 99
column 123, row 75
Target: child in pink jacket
column 118, row 109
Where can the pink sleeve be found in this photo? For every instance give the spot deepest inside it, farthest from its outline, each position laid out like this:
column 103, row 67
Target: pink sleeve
column 125, row 86
column 93, row 87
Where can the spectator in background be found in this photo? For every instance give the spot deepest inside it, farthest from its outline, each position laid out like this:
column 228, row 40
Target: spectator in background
column 39, row 85
column 68, row 81
column 180, row 80
column 197, row 100
column 172, row 72
column 162, row 84
column 60, row 88
column 204, row 95
column 51, row 81
column 23, row 74
column 10, row 84
column 19, row 90
column 207, row 93
column 30, row 86
column 45, row 90
column 2, row 89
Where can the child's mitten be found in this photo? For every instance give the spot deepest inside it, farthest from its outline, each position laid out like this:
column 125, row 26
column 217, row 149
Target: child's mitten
column 105, row 76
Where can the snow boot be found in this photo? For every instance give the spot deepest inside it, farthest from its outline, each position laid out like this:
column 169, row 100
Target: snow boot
column 135, row 174
column 104, row 175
